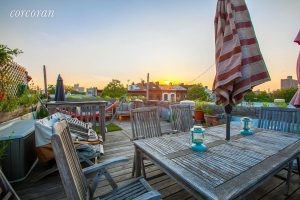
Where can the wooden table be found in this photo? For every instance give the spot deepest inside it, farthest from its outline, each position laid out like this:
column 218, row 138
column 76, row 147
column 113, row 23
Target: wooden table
column 228, row 169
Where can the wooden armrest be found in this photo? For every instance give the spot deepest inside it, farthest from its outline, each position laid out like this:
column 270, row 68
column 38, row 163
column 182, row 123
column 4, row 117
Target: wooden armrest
column 103, row 165
column 170, row 132
column 152, row 195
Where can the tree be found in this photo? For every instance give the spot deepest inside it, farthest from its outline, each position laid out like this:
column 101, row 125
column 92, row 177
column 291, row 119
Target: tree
column 286, row 94
column 6, row 54
column 114, row 89
column 197, row 92
column 258, row 97
column 250, row 96
column 6, row 57
column 51, row 89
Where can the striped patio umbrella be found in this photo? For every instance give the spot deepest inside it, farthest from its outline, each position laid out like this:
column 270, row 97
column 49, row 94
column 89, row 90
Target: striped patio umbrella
column 239, row 62
column 60, row 90
column 296, row 98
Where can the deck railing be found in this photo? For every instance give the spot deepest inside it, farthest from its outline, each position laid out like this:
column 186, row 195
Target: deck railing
column 87, row 111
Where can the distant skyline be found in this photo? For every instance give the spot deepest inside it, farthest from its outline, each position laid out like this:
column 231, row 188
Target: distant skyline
column 93, row 42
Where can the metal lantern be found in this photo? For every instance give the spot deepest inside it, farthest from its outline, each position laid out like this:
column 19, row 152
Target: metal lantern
column 197, row 133
column 246, row 125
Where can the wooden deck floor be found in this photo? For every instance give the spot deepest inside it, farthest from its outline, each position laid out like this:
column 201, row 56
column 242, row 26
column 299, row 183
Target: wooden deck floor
column 119, row 144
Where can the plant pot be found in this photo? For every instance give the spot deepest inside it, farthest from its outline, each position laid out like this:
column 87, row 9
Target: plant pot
column 211, row 120
column 6, row 116
column 199, row 115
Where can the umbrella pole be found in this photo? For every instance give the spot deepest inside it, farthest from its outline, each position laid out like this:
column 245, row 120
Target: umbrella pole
column 228, row 110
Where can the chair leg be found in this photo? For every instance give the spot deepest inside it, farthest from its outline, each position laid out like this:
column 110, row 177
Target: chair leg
column 133, row 167
column 288, row 178
column 143, row 168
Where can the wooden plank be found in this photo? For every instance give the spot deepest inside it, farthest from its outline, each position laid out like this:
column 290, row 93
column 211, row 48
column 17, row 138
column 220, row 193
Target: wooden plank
column 220, row 168
column 122, row 174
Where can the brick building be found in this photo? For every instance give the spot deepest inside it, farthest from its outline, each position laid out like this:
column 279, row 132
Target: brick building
column 172, row 93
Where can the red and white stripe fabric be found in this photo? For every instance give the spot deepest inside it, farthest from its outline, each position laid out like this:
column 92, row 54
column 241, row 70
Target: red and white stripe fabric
column 296, row 98
column 239, row 63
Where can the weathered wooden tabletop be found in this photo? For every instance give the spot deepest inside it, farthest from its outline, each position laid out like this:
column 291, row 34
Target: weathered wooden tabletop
column 228, row 169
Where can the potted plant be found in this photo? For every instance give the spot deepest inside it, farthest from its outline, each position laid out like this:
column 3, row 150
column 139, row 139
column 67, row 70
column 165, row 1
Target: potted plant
column 199, row 113
column 210, row 119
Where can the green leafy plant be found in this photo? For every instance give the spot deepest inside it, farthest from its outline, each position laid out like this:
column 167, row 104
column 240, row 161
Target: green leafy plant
column 21, row 89
column 199, row 105
column 208, row 110
column 42, row 113
column 281, row 104
column 8, row 105
column 25, row 100
column 265, row 104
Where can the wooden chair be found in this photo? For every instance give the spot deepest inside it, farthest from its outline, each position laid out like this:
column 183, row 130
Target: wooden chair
column 6, row 190
column 281, row 119
column 73, row 177
column 145, row 123
column 181, row 117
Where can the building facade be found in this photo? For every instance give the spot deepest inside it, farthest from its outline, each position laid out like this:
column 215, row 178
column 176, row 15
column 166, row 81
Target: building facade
column 78, row 88
column 289, row 82
column 92, row 91
column 171, row 93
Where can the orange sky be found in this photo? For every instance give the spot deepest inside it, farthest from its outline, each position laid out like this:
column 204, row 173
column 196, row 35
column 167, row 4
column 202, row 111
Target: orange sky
column 92, row 43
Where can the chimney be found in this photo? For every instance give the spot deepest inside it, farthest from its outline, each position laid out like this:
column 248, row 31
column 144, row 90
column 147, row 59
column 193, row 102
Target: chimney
column 157, row 83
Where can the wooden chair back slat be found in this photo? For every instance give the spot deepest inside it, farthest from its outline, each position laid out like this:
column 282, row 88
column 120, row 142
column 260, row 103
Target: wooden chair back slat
column 181, row 117
column 90, row 111
column 145, row 123
column 280, row 119
column 68, row 163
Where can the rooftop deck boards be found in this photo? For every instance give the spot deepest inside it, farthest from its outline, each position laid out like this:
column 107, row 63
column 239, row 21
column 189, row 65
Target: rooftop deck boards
column 118, row 144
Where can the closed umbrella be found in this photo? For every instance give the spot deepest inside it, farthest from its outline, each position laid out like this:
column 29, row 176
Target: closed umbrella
column 239, row 62
column 296, row 98
column 60, row 90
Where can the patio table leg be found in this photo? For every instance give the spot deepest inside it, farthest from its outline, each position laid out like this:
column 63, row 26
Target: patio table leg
column 298, row 166
column 138, row 162
column 288, row 179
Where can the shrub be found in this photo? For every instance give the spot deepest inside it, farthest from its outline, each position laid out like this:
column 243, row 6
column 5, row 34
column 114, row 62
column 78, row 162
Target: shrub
column 265, row 104
column 25, row 100
column 208, row 110
column 41, row 113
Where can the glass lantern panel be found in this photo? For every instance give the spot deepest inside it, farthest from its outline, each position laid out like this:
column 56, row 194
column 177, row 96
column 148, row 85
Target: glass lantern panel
column 198, row 137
